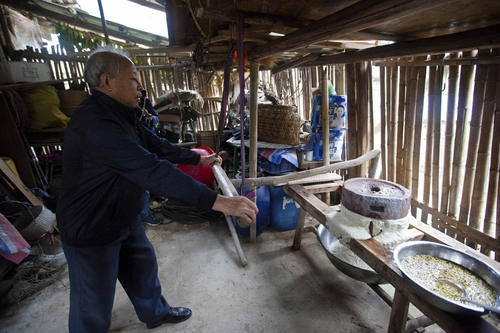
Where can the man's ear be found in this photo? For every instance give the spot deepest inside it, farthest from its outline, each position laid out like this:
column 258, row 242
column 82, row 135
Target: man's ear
column 105, row 82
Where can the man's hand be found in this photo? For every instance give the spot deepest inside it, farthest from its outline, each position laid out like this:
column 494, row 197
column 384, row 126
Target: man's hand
column 211, row 159
column 241, row 207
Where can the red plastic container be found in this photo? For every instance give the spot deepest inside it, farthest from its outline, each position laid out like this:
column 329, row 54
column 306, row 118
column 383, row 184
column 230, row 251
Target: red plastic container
column 201, row 172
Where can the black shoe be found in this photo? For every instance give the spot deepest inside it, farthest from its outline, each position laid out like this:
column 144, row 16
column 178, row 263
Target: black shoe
column 174, row 315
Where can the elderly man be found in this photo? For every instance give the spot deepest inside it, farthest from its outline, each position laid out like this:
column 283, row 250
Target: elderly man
column 109, row 160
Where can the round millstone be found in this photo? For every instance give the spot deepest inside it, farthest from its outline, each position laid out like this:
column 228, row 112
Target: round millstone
column 376, row 198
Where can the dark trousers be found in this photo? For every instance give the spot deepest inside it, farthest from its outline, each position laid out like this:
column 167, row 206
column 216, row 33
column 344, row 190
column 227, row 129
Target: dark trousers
column 93, row 272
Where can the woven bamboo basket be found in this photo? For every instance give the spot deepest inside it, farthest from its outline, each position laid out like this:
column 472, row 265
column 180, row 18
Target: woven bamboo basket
column 278, row 124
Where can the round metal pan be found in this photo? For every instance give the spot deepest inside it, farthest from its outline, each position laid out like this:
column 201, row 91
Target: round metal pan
column 329, row 242
column 476, row 266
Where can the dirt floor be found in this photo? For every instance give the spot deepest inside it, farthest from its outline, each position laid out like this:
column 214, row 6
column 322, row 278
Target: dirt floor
column 280, row 290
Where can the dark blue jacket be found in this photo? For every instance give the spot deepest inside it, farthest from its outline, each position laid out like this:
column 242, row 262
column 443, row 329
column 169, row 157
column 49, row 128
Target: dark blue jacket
column 109, row 160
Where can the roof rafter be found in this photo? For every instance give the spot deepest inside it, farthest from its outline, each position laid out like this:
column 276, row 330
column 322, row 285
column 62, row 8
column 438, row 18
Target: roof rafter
column 360, row 16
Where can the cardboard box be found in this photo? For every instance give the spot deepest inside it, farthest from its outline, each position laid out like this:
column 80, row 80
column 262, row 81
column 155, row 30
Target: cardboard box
column 21, row 71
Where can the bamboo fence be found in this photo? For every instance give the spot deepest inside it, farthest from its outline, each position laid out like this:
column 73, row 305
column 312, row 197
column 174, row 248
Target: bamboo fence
column 440, row 131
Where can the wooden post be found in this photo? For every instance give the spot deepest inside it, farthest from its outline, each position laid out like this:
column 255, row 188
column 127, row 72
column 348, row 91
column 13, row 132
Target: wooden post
column 325, row 124
column 254, row 86
column 399, row 312
column 241, row 72
column 298, row 230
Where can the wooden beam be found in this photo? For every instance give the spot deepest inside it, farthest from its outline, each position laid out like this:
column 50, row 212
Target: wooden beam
column 480, row 38
column 252, row 17
column 449, row 62
column 295, row 63
column 150, row 4
column 455, row 226
column 309, row 202
column 283, row 180
column 360, row 16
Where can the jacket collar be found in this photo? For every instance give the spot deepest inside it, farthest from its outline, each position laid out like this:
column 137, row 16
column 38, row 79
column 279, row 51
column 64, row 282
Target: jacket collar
column 116, row 107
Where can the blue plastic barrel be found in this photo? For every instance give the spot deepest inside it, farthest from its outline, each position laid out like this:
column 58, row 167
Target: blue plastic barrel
column 264, row 216
column 284, row 210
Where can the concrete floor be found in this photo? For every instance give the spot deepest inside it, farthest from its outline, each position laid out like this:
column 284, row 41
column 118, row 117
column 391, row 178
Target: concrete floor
column 281, row 290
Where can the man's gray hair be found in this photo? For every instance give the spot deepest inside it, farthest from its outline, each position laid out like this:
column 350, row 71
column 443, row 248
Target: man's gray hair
column 103, row 60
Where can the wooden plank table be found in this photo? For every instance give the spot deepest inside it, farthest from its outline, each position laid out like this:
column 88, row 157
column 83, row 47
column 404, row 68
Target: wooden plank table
column 380, row 259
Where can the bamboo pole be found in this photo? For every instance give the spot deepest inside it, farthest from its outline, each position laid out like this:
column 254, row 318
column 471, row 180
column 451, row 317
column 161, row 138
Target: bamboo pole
column 409, row 132
column 497, row 232
column 391, row 98
column 489, row 221
column 479, row 193
column 370, row 108
column 429, row 142
column 461, row 137
column 228, row 189
column 449, row 137
column 473, row 143
column 383, row 113
column 418, row 136
column 362, row 112
column 351, row 116
column 325, row 125
column 254, row 87
column 364, row 120
column 437, row 140
column 399, row 124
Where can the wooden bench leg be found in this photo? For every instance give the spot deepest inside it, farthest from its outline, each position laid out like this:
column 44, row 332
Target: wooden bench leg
column 298, row 230
column 399, row 313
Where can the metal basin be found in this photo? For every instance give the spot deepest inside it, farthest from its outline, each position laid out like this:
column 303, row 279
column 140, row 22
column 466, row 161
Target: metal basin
column 476, row 266
column 329, row 243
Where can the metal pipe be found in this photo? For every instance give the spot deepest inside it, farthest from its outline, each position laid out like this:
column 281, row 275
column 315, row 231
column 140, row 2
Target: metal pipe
column 103, row 22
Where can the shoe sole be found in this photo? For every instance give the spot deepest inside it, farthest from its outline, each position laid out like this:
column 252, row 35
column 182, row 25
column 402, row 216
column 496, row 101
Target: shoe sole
column 168, row 322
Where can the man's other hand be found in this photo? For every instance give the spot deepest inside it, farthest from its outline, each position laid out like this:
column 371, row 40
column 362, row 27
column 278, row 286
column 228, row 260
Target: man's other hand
column 211, row 159
column 241, row 207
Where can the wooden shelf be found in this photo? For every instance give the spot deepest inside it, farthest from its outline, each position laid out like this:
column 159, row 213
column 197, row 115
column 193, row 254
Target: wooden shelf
column 34, row 84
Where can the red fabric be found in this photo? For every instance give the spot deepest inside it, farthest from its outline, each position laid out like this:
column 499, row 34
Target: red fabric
column 13, row 243
column 201, row 172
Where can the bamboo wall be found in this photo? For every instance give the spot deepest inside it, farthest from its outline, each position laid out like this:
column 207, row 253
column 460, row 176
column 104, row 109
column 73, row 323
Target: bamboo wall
column 439, row 132
column 437, row 124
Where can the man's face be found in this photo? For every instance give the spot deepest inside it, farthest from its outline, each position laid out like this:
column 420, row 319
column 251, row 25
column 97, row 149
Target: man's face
column 125, row 88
